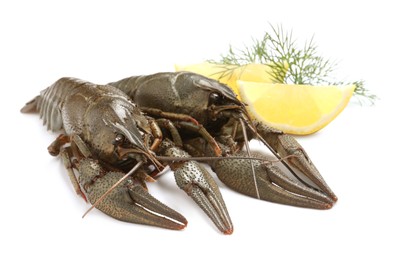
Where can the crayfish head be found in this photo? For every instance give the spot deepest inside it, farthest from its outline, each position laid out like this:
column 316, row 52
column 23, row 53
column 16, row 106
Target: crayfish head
column 120, row 124
column 218, row 100
column 220, row 109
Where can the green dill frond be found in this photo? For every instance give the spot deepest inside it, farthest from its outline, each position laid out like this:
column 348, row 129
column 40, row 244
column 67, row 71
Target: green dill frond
column 360, row 91
column 278, row 50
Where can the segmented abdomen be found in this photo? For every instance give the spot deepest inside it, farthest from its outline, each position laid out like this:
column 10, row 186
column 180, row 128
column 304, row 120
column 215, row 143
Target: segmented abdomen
column 51, row 100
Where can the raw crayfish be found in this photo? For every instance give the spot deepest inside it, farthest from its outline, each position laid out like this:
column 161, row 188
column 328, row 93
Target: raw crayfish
column 186, row 98
column 106, row 134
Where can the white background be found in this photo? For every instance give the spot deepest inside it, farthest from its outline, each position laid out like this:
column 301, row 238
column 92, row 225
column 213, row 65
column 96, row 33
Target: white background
column 360, row 154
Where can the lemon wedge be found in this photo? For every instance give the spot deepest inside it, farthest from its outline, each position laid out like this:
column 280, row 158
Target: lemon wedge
column 229, row 74
column 294, row 109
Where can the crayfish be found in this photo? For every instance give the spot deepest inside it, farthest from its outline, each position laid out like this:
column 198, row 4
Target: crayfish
column 105, row 134
column 215, row 107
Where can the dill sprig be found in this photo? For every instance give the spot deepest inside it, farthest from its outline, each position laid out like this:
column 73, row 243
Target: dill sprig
column 279, row 50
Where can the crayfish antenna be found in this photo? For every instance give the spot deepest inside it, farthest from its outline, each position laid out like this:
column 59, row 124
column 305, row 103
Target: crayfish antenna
column 246, row 140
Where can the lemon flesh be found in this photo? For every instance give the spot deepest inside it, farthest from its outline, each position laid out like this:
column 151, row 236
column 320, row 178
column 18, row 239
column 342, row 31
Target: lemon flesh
column 229, row 74
column 295, row 109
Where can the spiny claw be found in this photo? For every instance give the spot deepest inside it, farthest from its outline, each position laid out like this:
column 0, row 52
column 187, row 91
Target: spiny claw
column 129, row 201
column 272, row 184
column 201, row 187
column 285, row 146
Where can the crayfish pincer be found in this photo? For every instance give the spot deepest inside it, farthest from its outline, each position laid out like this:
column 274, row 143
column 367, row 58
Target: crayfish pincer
column 104, row 135
column 201, row 107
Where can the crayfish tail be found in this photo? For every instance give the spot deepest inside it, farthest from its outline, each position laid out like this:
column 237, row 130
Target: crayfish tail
column 31, row 106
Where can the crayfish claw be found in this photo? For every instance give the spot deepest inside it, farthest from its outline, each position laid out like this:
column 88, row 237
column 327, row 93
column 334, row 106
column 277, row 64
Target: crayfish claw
column 301, row 161
column 200, row 186
column 149, row 204
column 272, row 184
column 296, row 157
column 129, row 201
column 282, row 189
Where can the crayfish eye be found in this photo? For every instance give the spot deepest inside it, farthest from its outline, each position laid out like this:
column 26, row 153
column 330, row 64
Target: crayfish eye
column 214, row 98
column 119, row 139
